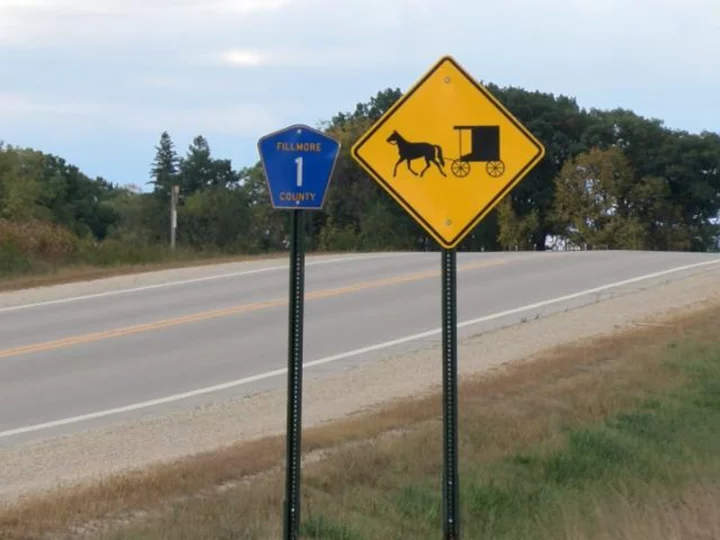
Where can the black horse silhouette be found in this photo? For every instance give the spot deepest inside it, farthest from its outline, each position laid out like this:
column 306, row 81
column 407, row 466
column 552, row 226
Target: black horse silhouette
column 416, row 150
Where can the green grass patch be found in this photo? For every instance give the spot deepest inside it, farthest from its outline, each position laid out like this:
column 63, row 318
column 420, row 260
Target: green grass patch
column 659, row 444
column 322, row 527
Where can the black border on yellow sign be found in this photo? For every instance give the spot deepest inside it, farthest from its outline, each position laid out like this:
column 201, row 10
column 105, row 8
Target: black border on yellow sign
column 490, row 205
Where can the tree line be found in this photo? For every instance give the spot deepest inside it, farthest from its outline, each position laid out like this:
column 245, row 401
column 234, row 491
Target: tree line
column 611, row 179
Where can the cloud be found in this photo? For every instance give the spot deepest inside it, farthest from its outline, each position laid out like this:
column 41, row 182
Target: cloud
column 244, row 58
column 73, row 23
column 15, row 105
column 365, row 33
column 247, row 6
column 240, row 120
column 348, row 56
column 223, row 64
column 140, row 7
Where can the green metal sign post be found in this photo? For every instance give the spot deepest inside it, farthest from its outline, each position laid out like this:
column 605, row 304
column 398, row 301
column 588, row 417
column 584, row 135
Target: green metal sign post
column 295, row 373
column 451, row 493
column 298, row 162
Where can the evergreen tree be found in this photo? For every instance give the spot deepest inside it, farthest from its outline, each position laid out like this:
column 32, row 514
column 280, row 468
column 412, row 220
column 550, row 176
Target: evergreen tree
column 165, row 166
column 197, row 169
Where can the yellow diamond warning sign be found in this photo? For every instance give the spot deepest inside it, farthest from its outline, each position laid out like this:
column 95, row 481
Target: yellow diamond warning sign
column 448, row 152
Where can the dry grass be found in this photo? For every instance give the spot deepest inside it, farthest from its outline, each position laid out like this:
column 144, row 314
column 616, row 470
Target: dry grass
column 688, row 514
column 390, row 477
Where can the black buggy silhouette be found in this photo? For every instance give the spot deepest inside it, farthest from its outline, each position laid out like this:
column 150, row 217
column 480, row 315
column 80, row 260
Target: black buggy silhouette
column 484, row 147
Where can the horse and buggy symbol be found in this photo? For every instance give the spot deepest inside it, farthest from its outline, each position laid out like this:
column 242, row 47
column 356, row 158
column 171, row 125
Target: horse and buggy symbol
column 484, row 148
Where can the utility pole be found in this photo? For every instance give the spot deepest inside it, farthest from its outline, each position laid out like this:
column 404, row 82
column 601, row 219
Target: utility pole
column 173, row 214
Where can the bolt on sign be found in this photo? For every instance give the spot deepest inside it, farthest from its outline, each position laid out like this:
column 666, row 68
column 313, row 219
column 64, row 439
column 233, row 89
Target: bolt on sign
column 448, row 152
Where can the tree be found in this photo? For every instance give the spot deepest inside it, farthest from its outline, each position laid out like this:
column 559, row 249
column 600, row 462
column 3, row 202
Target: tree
column 19, row 184
column 515, row 232
column 383, row 227
column 223, row 174
column 216, row 217
column 611, row 179
column 165, row 166
column 354, row 194
column 601, row 203
column 34, row 185
column 486, row 235
column 197, row 169
column 687, row 165
column 692, row 169
column 267, row 229
column 371, row 110
column 559, row 124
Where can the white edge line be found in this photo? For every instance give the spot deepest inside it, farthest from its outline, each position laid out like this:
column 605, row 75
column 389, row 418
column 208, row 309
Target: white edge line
column 342, row 356
column 188, row 281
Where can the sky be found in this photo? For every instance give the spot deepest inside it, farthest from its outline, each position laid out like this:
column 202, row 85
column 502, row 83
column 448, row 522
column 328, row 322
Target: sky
column 98, row 81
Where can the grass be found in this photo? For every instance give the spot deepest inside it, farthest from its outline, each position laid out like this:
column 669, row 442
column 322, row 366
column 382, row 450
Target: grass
column 614, row 438
column 689, row 513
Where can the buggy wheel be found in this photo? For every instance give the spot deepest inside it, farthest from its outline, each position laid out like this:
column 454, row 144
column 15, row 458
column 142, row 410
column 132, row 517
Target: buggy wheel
column 460, row 168
column 495, row 168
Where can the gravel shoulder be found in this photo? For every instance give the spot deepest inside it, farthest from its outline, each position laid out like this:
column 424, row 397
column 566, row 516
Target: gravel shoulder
column 90, row 455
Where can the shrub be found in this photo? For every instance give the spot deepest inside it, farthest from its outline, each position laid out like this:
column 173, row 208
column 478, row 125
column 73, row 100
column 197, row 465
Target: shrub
column 38, row 240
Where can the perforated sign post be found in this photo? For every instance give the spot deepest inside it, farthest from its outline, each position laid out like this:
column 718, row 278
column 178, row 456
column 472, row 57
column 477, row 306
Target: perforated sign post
column 448, row 152
column 298, row 162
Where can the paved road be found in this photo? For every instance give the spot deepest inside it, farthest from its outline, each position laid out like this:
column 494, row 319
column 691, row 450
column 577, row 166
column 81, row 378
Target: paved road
column 66, row 366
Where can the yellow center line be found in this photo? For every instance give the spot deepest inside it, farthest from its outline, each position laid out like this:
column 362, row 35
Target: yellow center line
column 226, row 312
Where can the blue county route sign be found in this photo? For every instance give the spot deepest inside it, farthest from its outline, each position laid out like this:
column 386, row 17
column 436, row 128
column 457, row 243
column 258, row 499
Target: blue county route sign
column 299, row 162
